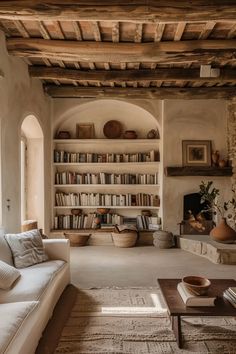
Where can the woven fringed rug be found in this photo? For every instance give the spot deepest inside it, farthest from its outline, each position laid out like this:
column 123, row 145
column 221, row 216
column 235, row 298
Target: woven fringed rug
column 134, row 321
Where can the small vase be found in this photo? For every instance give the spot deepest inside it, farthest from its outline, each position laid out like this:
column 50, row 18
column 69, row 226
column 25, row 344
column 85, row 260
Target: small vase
column 223, row 232
column 215, row 156
column 222, row 163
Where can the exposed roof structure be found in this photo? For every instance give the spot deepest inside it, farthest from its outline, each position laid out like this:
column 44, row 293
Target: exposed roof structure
column 123, row 48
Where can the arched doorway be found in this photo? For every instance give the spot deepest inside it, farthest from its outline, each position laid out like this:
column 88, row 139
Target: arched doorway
column 32, row 171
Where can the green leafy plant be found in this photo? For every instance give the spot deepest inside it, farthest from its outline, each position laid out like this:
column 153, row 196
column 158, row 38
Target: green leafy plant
column 210, row 195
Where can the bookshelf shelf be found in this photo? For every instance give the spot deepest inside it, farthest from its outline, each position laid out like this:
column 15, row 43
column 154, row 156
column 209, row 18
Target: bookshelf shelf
column 145, row 167
column 94, row 164
column 107, row 185
column 139, row 207
column 149, row 142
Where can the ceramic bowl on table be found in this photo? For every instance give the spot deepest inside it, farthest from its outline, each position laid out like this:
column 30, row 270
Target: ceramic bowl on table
column 197, row 285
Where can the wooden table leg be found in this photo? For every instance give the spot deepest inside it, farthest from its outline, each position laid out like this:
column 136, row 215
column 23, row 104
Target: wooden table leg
column 176, row 327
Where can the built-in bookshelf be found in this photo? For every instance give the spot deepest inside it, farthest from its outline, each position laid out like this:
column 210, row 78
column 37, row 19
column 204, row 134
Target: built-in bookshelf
column 117, row 174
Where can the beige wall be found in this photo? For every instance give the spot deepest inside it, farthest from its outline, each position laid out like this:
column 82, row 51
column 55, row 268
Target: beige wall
column 20, row 96
column 190, row 120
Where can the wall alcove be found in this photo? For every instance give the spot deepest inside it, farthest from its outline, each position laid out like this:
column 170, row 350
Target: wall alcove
column 96, row 162
column 32, row 171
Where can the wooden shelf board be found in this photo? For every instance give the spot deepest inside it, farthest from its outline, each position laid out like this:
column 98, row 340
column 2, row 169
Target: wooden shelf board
column 106, row 206
column 107, row 185
column 102, row 141
column 177, row 171
column 93, row 230
column 152, row 163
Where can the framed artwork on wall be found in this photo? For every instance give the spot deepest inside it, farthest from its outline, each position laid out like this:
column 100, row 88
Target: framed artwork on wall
column 196, row 152
column 85, row 131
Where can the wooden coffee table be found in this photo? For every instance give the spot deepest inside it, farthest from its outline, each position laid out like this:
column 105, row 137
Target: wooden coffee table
column 176, row 307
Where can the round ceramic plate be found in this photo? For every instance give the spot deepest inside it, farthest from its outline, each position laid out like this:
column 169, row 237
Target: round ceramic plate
column 112, row 129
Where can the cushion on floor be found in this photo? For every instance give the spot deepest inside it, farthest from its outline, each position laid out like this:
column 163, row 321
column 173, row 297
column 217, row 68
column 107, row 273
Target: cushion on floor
column 33, row 282
column 8, row 275
column 12, row 317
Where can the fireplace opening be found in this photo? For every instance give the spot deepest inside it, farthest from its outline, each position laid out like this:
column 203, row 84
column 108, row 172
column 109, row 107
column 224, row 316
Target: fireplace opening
column 197, row 219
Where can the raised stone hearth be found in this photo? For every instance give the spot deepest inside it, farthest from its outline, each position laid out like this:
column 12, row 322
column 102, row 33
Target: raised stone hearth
column 203, row 245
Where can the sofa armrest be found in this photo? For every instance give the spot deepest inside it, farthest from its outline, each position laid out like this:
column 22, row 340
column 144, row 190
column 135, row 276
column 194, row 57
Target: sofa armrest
column 57, row 249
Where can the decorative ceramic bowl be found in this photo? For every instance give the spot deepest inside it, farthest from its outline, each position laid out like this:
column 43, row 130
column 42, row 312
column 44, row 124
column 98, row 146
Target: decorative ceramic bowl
column 76, row 211
column 197, row 285
column 103, row 211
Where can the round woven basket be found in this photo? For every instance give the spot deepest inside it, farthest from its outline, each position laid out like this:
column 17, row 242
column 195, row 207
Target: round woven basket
column 77, row 240
column 124, row 239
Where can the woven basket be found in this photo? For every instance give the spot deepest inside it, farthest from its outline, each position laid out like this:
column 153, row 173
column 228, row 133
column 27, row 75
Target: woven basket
column 77, row 240
column 124, row 239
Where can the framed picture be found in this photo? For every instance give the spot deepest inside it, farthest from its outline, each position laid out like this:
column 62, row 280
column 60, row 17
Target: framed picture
column 196, row 152
column 85, row 131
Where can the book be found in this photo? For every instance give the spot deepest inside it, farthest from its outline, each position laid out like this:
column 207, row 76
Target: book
column 192, row 300
column 228, row 296
column 232, row 290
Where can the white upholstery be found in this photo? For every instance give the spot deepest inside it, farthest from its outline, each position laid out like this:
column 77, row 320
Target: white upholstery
column 43, row 282
column 8, row 275
column 5, row 252
column 57, row 250
column 12, row 317
column 34, row 280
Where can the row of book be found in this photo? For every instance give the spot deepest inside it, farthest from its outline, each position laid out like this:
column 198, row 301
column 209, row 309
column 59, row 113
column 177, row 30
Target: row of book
column 106, row 200
column 67, row 177
column 86, row 221
column 148, row 222
column 230, row 295
column 66, row 156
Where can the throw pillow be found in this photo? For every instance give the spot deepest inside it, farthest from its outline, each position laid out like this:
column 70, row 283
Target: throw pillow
column 27, row 248
column 8, row 275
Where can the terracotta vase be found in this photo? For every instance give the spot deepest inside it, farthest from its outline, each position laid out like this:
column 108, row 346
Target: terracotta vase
column 223, row 232
column 215, row 156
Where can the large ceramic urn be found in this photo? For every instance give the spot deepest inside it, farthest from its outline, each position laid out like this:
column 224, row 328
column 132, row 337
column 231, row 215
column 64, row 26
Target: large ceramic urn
column 223, row 232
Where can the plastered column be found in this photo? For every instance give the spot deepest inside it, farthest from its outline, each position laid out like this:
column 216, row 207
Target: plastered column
column 231, row 138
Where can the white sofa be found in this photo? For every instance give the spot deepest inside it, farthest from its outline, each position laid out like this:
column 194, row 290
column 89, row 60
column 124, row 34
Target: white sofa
column 26, row 308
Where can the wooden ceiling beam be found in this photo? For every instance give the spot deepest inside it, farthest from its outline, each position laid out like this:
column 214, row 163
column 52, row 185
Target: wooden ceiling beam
column 199, row 51
column 119, row 10
column 119, row 76
column 137, row 93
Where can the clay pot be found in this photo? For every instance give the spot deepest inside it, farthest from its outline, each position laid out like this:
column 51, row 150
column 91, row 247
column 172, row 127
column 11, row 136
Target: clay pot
column 130, row 134
column 215, row 156
column 222, row 163
column 63, row 134
column 152, row 134
column 223, row 232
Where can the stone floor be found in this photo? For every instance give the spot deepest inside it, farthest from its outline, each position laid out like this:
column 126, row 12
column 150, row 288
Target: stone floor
column 108, row 266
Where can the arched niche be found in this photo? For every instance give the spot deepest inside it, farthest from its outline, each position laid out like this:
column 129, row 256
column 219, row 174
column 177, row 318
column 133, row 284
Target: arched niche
column 98, row 112
column 32, row 171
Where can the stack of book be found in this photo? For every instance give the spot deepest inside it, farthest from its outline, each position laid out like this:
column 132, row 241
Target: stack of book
column 194, row 300
column 230, row 295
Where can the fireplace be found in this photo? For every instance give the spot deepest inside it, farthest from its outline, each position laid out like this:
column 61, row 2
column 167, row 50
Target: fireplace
column 196, row 218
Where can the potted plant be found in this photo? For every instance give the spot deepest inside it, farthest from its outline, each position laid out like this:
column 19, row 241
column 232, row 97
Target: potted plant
column 225, row 209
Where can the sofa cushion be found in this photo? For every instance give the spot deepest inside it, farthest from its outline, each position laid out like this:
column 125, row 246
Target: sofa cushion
column 8, row 275
column 27, row 248
column 5, row 251
column 12, row 316
column 33, row 282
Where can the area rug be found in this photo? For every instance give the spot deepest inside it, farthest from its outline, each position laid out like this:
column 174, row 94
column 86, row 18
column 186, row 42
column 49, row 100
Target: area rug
column 135, row 321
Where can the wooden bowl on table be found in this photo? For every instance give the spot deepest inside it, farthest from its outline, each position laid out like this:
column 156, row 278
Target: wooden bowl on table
column 196, row 285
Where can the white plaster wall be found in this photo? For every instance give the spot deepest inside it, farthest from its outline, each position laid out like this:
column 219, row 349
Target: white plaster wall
column 35, row 178
column 190, row 120
column 20, row 96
